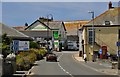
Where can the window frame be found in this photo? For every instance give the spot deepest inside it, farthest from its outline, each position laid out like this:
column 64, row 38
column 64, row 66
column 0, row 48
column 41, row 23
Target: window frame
column 90, row 35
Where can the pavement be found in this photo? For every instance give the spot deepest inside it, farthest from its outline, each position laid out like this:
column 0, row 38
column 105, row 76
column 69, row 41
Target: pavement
column 0, row 67
column 1, row 64
column 104, row 67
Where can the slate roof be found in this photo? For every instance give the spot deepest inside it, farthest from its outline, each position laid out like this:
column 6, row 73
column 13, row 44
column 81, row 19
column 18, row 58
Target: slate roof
column 20, row 27
column 112, row 15
column 11, row 32
column 55, row 25
column 38, row 33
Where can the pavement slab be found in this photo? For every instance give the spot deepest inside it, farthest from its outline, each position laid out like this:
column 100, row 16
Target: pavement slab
column 99, row 66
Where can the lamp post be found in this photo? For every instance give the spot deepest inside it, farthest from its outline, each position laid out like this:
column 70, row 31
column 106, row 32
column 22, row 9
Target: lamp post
column 49, row 18
column 92, row 12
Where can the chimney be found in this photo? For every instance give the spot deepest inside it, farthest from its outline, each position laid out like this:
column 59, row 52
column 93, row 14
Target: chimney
column 110, row 5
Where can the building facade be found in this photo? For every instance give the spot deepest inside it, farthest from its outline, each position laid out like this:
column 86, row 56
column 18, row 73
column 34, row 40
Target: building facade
column 104, row 32
column 46, row 31
column 72, row 28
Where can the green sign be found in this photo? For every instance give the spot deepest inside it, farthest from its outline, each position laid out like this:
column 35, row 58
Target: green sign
column 56, row 43
column 55, row 34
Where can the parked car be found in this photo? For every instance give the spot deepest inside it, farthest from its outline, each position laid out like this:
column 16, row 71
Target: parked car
column 51, row 57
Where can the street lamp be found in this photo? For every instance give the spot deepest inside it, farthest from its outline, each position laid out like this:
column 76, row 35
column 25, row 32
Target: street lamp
column 92, row 12
column 49, row 18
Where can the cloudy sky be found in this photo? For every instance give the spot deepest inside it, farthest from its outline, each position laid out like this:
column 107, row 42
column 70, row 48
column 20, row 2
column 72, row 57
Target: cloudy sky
column 18, row 13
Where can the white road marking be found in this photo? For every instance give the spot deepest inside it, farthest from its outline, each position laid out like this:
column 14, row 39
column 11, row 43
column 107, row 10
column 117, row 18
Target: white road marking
column 63, row 68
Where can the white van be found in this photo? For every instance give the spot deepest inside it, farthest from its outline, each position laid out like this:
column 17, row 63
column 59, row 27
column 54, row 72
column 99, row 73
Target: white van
column 72, row 45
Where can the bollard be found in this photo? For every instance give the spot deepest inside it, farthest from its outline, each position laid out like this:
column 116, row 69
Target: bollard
column 114, row 65
column 8, row 66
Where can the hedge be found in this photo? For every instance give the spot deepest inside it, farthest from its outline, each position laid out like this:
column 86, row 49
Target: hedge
column 26, row 59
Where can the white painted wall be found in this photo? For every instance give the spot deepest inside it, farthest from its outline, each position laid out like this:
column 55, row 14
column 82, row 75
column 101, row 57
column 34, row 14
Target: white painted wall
column 80, row 40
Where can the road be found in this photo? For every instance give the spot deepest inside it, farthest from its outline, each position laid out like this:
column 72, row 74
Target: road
column 66, row 66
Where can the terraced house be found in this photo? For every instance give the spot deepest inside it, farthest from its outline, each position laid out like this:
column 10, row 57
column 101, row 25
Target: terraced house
column 103, row 34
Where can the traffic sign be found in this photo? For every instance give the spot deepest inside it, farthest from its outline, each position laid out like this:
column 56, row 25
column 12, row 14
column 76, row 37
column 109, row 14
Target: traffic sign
column 118, row 43
column 20, row 45
column 118, row 52
column 15, row 45
column 100, row 51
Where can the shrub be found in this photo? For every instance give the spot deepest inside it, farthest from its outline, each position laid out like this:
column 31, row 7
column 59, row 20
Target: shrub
column 41, row 51
column 25, row 59
column 34, row 44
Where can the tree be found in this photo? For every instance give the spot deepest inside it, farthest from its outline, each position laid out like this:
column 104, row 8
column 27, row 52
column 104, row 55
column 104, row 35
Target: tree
column 6, row 44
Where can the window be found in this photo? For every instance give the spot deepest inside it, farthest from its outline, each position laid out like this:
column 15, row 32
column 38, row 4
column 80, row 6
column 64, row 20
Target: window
column 107, row 22
column 91, row 38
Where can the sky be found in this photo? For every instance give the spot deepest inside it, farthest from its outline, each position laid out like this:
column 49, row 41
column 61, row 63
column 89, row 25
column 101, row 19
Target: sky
column 58, row 0
column 18, row 13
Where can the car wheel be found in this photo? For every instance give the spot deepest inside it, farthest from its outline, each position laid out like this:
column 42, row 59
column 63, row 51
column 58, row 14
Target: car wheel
column 55, row 60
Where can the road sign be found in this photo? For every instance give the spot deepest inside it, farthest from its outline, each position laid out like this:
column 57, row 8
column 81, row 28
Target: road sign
column 55, row 35
column 118, row 43
column 119, row 53
column 100, row 51
column 15, row 45
column 20, row 45
column 23, row 45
